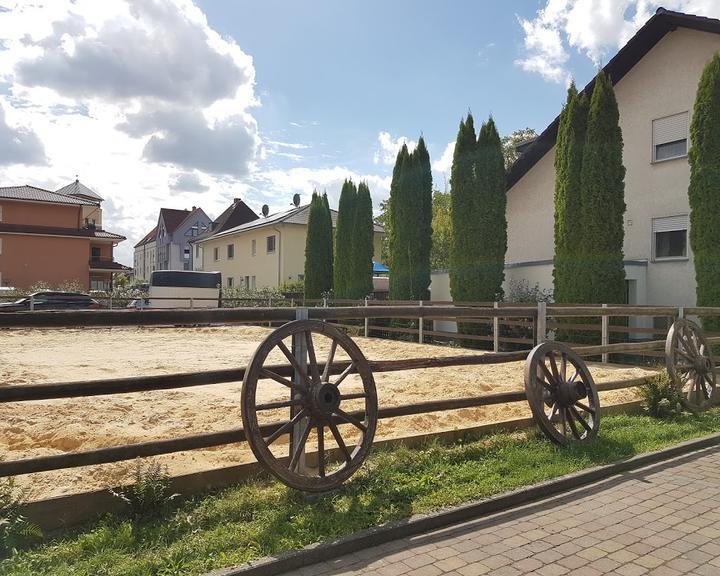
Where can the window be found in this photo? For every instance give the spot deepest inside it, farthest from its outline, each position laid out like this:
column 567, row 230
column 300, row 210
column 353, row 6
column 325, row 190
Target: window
column 0, row 212
column 230, row 281
column 254, row 247
column 270, row 244
column 247, row 282
column 186, row 253
column 231, row 251
column 216, row 253
column 670, row 237
column 670, row 137
column 252, row 283
column 197, row 251
column 186, row 265
column 95, row 252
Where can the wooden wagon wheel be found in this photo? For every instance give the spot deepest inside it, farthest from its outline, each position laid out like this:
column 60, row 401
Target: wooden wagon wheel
column 315, row 406
column 690, row 364
column 561, row 393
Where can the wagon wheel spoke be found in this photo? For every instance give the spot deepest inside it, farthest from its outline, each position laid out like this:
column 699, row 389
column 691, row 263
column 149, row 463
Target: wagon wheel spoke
column 280, row 404
column 354, row 396
column 285, row 428
column 328, row 363
column 345, row 374
column 314, row 371
column 294, row 363
column 553, row 411
column 340, row 442
column 563, row 418
column 548, row 381
column 300, row 447
column 553, row 366
column 563, row 367
column 580, row 419
column 584, row 407
column 265, row 373
column 685, row 355
column 571, row 423
column 350, row 419
column 321, row 450
column 574, row 377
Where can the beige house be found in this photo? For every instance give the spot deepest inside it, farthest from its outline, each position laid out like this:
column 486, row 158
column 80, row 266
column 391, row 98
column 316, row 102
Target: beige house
column 655, row 76
column 263, row 253
column 144, row 256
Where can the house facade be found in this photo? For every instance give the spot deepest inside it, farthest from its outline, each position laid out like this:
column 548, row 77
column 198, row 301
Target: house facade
column 144, row 257
column 655, row 77
column 264, row 253
column 55, row 238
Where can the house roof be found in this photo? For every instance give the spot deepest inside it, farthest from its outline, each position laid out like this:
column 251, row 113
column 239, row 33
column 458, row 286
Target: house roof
column 79, row 189
column 236, row 214
column 297, row 215
column 58, row 231
column 34, row 194
column 149, row 237
column 173, row 218
column 662, row 22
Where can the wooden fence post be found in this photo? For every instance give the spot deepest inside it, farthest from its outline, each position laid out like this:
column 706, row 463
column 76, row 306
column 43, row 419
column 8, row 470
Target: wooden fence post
column 496, row 330
column 681, row 312
column 605, row 334
column 367, row 321
column 299, row 351
column 541, row 324
column 421, row 326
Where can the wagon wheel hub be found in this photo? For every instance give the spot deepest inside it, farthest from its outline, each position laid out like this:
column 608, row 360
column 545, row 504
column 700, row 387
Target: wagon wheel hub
column 326, row 400
column 570, row 392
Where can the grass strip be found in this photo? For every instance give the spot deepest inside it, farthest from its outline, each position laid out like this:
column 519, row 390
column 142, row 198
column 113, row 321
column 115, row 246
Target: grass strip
column 262, row 517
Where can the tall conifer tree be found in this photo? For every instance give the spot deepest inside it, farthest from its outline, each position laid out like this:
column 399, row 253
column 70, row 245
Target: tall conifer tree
column 399, row 280
column 424, row 228
column 343, row 267
column 704, row 190
column 328, row 243
column 489, row 207
column 363, row 235
column 602, row 190
column 317, row 280
column 464, row 277
column 568, row 164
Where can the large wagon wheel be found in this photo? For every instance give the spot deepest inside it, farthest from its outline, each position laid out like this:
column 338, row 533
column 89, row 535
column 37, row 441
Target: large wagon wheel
column 690, row 364
column 561, row 393
column 316, row 406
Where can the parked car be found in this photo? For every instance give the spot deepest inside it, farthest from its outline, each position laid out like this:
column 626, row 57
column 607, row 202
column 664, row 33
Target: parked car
column 51, row 301
column 139, row 303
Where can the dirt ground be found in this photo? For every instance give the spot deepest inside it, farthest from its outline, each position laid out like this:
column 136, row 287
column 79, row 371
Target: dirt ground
column 57, row 426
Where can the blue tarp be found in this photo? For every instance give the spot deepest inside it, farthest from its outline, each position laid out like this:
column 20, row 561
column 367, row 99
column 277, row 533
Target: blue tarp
column 380, row 268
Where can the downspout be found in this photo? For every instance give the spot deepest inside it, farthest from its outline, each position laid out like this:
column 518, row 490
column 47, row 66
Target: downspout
column 279, row 253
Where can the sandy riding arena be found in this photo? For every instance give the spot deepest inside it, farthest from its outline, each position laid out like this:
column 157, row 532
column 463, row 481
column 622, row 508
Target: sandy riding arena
column 58, row 426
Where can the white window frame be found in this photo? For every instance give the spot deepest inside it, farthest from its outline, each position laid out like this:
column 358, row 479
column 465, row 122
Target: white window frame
column 230, row 281
column 274, row 243
column 655, row 143
column 230, row 248
column 254, row 247
column 654, row 232
column 216, row 253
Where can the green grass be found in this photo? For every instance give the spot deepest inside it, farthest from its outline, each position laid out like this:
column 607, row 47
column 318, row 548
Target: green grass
column 262, row 517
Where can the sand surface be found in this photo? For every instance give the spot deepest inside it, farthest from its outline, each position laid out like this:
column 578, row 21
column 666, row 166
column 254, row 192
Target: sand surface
column 56, row 426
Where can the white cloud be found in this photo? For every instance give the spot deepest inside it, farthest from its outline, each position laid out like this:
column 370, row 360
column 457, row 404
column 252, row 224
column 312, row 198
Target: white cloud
column 444, row 163
column 595, row 28
column 19, row 145
column 388, row 148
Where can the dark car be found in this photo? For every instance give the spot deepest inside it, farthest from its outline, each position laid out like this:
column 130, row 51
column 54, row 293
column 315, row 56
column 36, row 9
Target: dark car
column 51, row 301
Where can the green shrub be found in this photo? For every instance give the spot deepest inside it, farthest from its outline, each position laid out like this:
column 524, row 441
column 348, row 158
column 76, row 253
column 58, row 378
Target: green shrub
column 149, row 495
column 661, row 399
column 15, row 530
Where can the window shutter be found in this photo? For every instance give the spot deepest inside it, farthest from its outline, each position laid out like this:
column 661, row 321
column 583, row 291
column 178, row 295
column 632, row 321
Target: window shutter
column 670, row 224
column 670, row 129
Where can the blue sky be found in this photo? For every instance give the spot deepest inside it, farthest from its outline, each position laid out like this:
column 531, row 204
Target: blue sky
column 181, row 103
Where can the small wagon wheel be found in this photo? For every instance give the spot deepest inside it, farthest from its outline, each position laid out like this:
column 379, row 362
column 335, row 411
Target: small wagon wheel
column 690, row 364
column 561, row 393
column 318, row 405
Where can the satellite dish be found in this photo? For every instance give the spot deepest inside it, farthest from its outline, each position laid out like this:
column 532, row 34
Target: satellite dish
column 265, row 210
column 296, row 200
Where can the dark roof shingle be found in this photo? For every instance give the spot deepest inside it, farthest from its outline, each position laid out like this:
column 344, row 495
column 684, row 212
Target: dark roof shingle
column 57, row 231
column 33, row 194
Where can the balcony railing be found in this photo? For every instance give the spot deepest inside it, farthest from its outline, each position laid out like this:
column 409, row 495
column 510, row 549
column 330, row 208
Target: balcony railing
column 105, row 264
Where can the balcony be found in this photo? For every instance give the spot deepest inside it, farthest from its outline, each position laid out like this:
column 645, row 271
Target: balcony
column 106, row 265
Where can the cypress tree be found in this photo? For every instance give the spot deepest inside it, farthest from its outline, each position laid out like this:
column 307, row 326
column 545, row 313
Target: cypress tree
column 463, row 250
column 602, row 197
column 363, row 236
column 328, row 243
column 399, row 281
column 343, row 269
column 316, row 278
column 489, row 207
column 424, row 228
column 568, row 164
column 704, row 190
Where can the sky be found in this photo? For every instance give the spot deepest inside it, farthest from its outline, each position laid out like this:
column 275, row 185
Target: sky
column 175, row 103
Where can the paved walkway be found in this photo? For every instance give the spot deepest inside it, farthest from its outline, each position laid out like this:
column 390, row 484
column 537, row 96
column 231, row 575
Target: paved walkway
column 663, row 520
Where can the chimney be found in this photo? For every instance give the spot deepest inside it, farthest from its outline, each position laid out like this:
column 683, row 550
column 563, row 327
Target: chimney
column 194, row 208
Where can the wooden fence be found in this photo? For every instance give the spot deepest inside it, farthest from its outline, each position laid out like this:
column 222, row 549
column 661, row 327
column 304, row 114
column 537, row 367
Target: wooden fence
column 538, row 316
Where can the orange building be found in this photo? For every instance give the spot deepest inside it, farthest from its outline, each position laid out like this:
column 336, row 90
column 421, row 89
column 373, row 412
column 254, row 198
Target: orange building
column 55, row 237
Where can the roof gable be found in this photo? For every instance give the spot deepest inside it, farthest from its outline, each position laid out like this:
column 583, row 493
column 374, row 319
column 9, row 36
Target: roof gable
column 662, row 22
column 79, row 189
column 34, row 194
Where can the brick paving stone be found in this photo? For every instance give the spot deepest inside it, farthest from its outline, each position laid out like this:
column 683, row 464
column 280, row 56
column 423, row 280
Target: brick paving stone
column 662, row 521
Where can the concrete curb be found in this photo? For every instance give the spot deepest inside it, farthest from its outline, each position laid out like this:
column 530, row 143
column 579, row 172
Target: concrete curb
column 273, row 565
